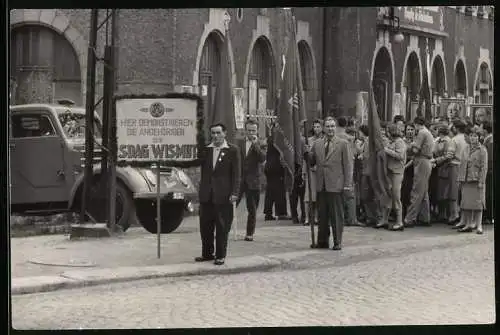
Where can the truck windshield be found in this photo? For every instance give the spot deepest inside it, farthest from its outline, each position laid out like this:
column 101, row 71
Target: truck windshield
column 74, row 125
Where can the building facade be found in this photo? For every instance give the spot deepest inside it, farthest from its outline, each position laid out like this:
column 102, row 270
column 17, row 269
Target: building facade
column 164, row 50
column 446, row 51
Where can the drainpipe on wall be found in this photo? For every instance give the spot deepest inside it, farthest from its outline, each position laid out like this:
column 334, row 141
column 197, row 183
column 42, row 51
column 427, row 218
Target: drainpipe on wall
column 323, row 67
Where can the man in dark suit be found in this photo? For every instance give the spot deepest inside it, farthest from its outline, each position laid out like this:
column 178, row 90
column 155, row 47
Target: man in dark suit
column 275, row 180
column 253, row 156
column 219, row 189
column 334, row 167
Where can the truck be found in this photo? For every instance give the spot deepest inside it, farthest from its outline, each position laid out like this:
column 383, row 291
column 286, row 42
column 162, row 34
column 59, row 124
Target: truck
column 47, row 156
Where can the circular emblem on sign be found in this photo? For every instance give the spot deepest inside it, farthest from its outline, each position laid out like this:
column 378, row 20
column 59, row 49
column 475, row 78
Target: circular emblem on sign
column 157, row 109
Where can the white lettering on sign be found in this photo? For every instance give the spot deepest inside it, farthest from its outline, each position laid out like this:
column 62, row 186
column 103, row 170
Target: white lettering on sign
column 156, row 129
column 418, row 14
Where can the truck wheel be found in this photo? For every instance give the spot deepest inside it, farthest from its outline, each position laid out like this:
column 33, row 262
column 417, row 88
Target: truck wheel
column 125, row 208
column 172, row 215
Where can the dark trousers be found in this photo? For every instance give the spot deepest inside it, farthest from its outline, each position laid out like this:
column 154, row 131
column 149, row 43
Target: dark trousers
column 331, row 212
column 219, row 218
column 488, row 212
column 296, row 198
column 275, row 195
column 252, row 198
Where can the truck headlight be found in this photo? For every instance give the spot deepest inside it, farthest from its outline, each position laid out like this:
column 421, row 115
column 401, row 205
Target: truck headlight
column 183, row 177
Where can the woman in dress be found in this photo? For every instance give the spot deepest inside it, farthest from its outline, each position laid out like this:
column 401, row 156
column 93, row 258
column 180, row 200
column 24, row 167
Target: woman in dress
column 408, row 174
column 312, row 213
column 440, row 162
column 472, row 175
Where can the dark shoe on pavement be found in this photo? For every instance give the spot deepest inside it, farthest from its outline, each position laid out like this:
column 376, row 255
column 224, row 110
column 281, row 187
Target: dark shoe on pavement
column 295, row 220
column 320, row 246
column 454, row 222
column 219, row 261
column 410, row 224
column 379, row 225
column 284, row 217
column 458, row 226
column 337, row 247
column 269, row 218
column 465, row 230
column 248, row 238
column 204, row 258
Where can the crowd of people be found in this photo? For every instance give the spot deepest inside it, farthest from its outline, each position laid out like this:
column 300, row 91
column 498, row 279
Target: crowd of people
column 439, row 172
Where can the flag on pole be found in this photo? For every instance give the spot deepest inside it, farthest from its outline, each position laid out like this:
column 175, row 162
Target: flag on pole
column 223, row 103
column 377, row 160
column 291, row 110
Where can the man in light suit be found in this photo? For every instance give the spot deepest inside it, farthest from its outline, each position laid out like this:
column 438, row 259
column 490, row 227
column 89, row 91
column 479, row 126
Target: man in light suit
column 334, row 167
column 219, row 189
column 253, row 156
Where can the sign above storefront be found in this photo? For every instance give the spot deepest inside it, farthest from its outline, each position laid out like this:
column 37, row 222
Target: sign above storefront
column 430, row 18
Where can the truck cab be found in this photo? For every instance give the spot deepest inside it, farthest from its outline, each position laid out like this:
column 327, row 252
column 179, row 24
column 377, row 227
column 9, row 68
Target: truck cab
column 47, row 146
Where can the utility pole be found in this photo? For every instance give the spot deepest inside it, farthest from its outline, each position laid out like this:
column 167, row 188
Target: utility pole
column 107, row 182
column 89, row 113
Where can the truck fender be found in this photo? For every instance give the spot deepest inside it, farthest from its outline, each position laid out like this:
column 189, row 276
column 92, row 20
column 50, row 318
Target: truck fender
column 130, row 177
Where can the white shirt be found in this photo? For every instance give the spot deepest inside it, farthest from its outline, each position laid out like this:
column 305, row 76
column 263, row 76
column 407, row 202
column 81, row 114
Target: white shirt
column 216, row 151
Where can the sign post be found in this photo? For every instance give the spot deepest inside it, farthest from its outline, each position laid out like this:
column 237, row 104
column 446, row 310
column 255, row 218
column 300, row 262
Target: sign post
column 158, row 209
column 158, row 130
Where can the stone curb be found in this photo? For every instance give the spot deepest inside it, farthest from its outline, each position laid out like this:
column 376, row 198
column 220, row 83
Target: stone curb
column 76, row 279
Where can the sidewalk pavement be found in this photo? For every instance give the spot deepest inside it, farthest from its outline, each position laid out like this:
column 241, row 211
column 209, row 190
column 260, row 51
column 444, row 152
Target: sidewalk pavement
column 46, row 263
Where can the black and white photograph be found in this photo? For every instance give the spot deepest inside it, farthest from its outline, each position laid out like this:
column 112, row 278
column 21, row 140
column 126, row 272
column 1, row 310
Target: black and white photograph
column 174, row 168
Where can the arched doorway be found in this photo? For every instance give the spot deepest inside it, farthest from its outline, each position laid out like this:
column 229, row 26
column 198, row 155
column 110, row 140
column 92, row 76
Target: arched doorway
column 412, row 85
column 308, row 80
column 484, row 85
column 44, row 66
column 261, row 88
column 209, row 68
column 437, row 84
column 460, row 80
column 382, row 84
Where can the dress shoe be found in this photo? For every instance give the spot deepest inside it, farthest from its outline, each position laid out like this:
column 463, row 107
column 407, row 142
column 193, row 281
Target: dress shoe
column 219, row 261
column 204, row 258
column 302, row 220
column 320, row 246
column 248, row 238
column 284, row 217
column 465, row 230
column 295, row 220
column 379, row 225
column 337, row 247
column 454, row 222
column 306, row 223
column 269, row 218
column 479, row 231
column 458, row 226
column 397, row 227
column 410, row 224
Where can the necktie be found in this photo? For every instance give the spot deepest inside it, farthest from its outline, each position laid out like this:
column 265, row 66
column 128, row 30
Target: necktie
column 327, row 147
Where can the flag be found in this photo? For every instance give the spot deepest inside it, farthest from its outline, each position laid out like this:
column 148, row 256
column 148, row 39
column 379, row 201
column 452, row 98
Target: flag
column 223, row 102
column 286, row 134
column 377, row 160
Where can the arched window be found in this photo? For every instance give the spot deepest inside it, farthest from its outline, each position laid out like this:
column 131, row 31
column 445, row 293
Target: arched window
column 308, row 80
column 382, row 84
column 43, row 59
column 460, row 81
column 209, row 68
column 261, row 95
column 412, row 85
column 484, row 86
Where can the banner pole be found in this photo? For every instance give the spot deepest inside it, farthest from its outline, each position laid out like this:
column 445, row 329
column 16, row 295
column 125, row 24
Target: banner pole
column 158, row 210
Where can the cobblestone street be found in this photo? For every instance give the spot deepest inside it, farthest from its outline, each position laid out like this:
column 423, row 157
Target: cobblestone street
column 449, row 285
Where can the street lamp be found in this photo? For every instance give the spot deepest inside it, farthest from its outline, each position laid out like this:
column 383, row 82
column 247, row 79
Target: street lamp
column 393, row 24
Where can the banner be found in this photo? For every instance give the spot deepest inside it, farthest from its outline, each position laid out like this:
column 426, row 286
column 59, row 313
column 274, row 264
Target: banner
column 156, row 129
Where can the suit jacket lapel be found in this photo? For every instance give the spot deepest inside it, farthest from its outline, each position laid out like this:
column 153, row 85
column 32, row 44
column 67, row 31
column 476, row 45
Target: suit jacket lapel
column 332, row 148
column 219, row 159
